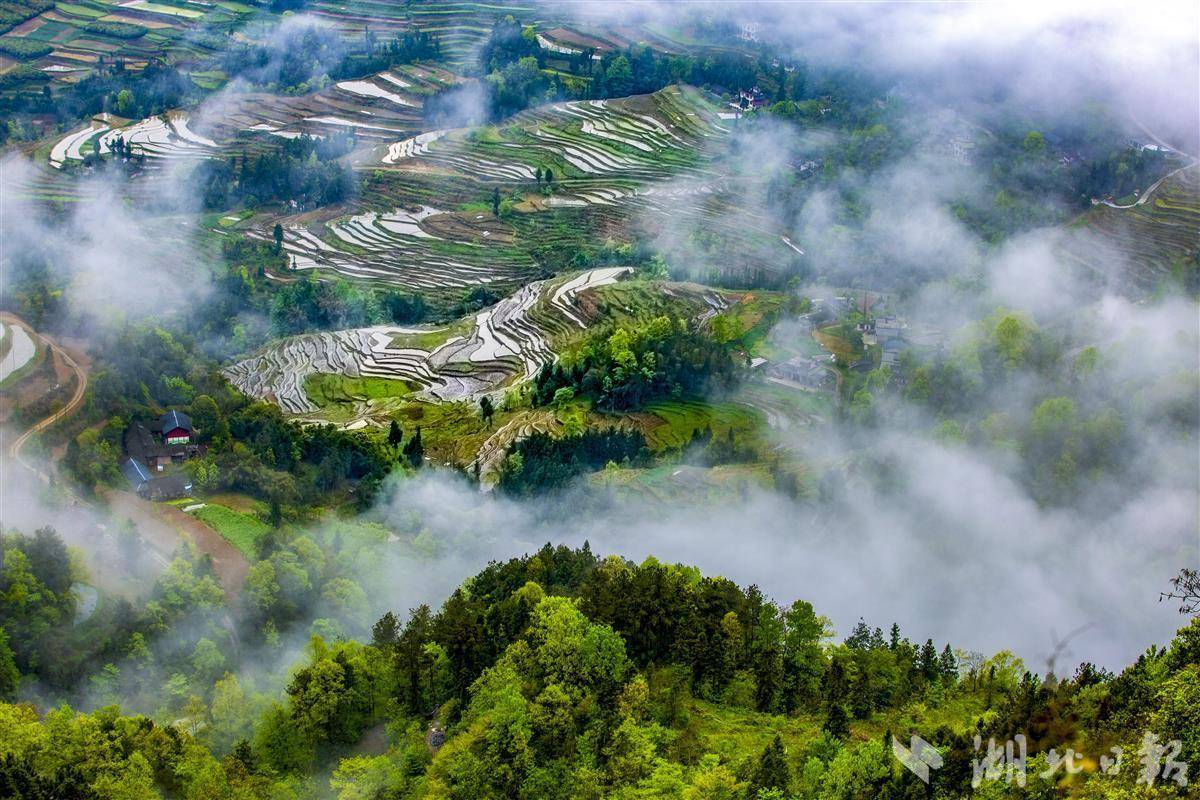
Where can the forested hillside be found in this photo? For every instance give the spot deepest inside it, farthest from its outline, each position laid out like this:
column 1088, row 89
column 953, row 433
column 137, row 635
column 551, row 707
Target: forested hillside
column 566, row 675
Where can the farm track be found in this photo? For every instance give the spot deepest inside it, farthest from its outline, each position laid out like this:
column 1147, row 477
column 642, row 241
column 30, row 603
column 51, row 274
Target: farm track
column 81, row 380
column 1142, row 244
column 161, row 525
column 165, row 526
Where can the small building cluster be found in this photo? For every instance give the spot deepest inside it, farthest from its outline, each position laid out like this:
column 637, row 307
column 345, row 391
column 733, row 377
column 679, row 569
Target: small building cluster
column 888, row 334
column 751, row 99
column 808, row 371
column 153, row 451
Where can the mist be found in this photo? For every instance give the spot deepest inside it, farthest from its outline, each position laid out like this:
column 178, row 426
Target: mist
column 1052, row 60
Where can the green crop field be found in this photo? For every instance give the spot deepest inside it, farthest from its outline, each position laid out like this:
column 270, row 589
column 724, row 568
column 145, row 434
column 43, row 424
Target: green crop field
column 242, row 530
column 681, row 418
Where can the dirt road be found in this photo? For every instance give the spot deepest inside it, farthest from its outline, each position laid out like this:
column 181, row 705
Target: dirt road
column 162, row 527
column 70, row 408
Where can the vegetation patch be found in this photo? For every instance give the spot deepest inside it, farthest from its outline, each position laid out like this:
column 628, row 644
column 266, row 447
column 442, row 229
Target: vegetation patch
column 117, row 30
column 242, row 530
column 24, row 48
column 681, row 419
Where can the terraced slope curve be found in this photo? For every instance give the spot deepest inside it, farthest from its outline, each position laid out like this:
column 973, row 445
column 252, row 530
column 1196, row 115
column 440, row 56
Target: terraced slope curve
column 419, row 248
column 1143, row 245
column 599, row 151
column 511, row 340
column 377, row 108
column 650, row 165
column 163, row 137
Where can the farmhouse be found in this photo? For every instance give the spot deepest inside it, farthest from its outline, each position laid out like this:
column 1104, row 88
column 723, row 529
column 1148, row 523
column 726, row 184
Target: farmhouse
column 804, row 370
column 152, row 449
column 881, row 330
column 753, row 98
column 892, row 349
column 176, row 427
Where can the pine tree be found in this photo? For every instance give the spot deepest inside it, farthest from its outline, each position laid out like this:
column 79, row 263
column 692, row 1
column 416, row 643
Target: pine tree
column 386, row 631
column 928, row 660
column 496, row 200
column 772, row 771
column 860, row 637
column 948, row 665
column 244, row 753
column 837, row 724
column 395, row 434
column 414, row 451
column 487, row 409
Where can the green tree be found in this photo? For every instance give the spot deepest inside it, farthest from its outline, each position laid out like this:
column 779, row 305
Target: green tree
column 414, row 451
column 209, row 422
column 207, row 660
column 487, row 409
column 9, row 674
column 619, row 77
column 125, row 103
column 772, row 772
column 837, row 722
column 1034, row 143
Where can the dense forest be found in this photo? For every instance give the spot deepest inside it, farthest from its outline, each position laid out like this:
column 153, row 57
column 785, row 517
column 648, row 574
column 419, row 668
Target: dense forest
column 563, row 675
column 632, row 365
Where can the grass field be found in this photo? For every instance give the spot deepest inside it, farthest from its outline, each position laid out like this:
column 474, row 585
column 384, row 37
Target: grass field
column 326, row 389
column 241, row 530
column 733, row 733
column 681, row 418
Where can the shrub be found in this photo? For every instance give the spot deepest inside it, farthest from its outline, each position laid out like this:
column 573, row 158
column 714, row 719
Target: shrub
column 117, row 30
column 24, row 48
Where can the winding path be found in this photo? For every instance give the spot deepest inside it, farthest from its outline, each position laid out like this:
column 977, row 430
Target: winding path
column 1191, row 159
column 161, row 526
column 81, row 380
column 1146, row 195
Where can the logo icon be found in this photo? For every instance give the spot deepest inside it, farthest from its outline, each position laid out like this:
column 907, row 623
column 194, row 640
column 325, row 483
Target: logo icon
column 918, row 758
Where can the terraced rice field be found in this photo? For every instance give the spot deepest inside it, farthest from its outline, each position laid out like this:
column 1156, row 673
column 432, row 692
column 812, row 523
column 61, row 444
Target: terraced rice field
column 170, row 27
column 18, row 349
column 676, row 420
column 600, row 151
column 379, row 108
column 1145, row 244
column 460, row 26
column 645, row 164
column 163, row 137
column 510, row 341
column 423, row 248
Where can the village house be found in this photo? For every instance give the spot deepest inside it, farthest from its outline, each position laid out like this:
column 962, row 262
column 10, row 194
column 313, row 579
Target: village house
column 892, row 348
column 752, row 98
column 152, row 448
column 808, row 371
column 880, row 330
